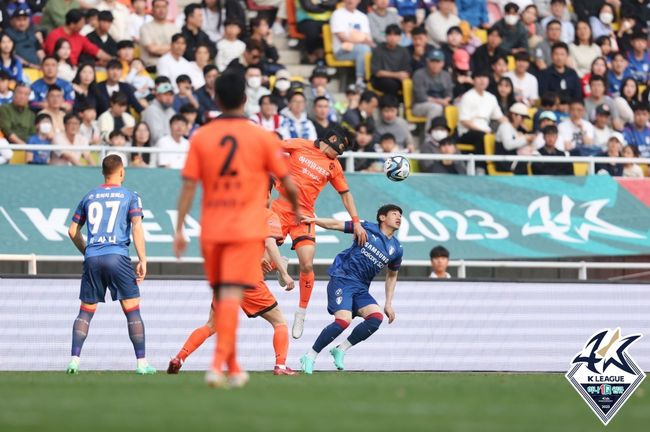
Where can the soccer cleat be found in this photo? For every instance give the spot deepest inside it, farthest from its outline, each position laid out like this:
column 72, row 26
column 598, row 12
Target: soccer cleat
column 145, row 370
column 307, row 364
column 286, row 371
column 338, row 355
column 285, row 263
column 216, row 379
column 238, row 380
column 175, row 365
column 73, row 368
column 298, row 324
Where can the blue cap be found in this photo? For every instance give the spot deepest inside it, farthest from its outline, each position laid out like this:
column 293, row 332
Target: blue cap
column 436, row 55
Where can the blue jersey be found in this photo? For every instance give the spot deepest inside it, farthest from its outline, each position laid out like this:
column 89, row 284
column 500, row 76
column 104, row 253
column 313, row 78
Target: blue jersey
column 639, row 69
column 108, row 209
column 363, row 263
column 40, row 88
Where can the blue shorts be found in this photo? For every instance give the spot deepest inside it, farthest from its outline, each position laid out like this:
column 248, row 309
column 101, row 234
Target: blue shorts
column 346, row 294
column 112, row 271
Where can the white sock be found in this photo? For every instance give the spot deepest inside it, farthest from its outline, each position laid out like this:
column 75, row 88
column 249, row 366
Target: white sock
column 282, row 367
column 345, row 345
column 312, row 354
column 142, row 362
column 76, row 360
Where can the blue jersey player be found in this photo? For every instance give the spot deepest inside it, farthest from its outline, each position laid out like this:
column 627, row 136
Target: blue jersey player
column 110, row 212
column 350, row 277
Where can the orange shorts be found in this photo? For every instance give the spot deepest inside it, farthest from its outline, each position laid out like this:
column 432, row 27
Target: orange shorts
column 233, row 263
column 256, row 302
column 303, row 234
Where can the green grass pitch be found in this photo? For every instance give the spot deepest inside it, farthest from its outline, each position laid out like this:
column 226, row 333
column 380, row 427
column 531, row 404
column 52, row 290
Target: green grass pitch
column 121, row 401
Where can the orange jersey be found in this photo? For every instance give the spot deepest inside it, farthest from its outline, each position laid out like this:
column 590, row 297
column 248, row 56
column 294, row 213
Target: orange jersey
column 274, row 225
column 311, row 170
column 232, row 158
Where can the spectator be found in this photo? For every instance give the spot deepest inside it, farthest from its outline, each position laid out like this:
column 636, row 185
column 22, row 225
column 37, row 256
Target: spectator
column 16, row 119
column 639, row 58
column 432, row 87
column 92, row 21
column 318, row 87
column 252, row 56
column 119, row 30
column 628, row 99
column 614, row 146
column 598, row 67
column 9, row 63
column 365, row 142
column 407, row 25
column 125, row 55
column 499, row 68
column 216, row 12
column 617, row 74
column 390, row 63
column 55, row 12
column 448, row 166
column 583, row 51
column 112, row 84
column 230, row 47
column 524, row 83
column 54, row 107
column 485, row 54
column 598, row 98
column 530, row 22
column 602, row 23
column 558, row 11
column 27, row 39
column 140, row 80
column 437, row 131
column 268, row 116
column 390, row 122
column 65, row 70
column 364, row 113
column 439, row 256
column 320, row 117
column 295, row 123
column 387, row 144
column 141, row 138
column 194, row 36
column 160, row 111
column 89, row 127
column 254, row 90
column 173, row 64
column 628, row 28
column 201, row 60
column 43, row 136
column 261, row 32
column 513, row 139
column 474, row 12
column 542, row 52
column 550, row 149
column 155, row 36
column 70, row 136
column 117, row 139
column 85, row 87
column 116, row 118
column 513, row 32
column 419, row 49
column 138, row 18
column 40, row 87
column 6, row 95
column 191, row 114
column 637, row 134
column 380, row 17
column 74, row 22
column 351, row 36
column 505, row 94
column 101, row 37
column 440, row 21
column 206, row 95
column 602, row 131
column 174, row 141
column 546, row 118
column 310, row 18
column 185, row 94
column 631, row 169
column 576, row 133
column 559, row 77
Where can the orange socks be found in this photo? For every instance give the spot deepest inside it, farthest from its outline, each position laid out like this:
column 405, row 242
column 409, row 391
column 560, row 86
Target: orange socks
column 195, row 340
column 306, row 285
column 281, row 344
column 226, row 319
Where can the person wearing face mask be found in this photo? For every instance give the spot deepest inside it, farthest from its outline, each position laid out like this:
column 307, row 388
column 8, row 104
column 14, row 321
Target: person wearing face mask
column 254, row 90
column 515, row 35
column 43, row 136
column 601, row 24
column 281, row 88
column 438, row 131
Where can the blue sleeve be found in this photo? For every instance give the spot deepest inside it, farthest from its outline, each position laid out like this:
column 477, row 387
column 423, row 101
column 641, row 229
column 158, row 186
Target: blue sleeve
column 68, row 91
column 135, row 206
column 484, row 14
column 80, row 214
column 627, row 134
column 396, row 264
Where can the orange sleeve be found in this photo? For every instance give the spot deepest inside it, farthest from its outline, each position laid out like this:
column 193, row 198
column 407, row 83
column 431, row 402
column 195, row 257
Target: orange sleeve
column 291, row 145
column 338, row 180
column 275, row 226
column 192, row 169
column 275, row 163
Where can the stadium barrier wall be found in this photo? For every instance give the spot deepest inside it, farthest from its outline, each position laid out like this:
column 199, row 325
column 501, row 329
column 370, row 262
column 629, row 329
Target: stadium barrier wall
column 440, row 325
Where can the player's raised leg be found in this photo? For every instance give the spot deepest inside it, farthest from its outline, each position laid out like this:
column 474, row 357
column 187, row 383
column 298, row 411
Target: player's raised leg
column 372, row 318
column 305, row 251
column 79, row 333
column 195, row 340
column 131, row 308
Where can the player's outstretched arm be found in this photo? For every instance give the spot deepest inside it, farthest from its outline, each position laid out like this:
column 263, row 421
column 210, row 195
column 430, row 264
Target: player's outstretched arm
column 330, row 224
column 359, row 232
column 391, row 282
column 185, row 200
column 77, row 238
column 138, row 242
column 276, row 257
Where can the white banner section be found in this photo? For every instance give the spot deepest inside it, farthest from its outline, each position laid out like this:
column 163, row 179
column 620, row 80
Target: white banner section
column 440, row 325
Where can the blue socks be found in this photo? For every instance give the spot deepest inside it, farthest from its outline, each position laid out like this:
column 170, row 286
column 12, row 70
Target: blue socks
column 329, row 333
column 80, row 330
column 365, row 329
column 136, row 330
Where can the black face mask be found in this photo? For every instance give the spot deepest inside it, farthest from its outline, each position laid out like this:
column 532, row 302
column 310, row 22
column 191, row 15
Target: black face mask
column 336, row 142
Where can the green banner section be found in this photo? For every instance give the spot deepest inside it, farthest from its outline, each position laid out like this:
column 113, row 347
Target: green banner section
column 474, row 217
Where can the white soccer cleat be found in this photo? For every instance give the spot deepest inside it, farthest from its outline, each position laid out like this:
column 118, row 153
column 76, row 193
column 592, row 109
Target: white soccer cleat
column 216, row 379
column 285, row 263
column 298, row 324
column 238, row 380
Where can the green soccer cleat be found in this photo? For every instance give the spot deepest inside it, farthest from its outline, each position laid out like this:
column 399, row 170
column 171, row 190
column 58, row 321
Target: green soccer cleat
column 145, row 370
column 73, row 368
column 338, row 355
column 307, row 364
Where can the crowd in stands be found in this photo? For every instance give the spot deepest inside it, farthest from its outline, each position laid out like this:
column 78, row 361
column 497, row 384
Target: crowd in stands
column 522, row 77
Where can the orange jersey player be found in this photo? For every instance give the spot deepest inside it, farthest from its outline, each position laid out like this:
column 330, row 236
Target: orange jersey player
column 232, row 158
column 313, row 164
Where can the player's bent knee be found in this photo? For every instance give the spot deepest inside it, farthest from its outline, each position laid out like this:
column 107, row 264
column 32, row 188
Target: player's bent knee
column 306, row 268
column 130, row 303
column 274, row 317
column 89, row 307
column 343, row 323
column 374, row 320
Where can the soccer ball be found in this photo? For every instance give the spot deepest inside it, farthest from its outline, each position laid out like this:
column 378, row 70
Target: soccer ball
column 397, row 168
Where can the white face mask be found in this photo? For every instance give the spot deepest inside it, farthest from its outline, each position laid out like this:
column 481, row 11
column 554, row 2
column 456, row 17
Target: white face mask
column 254, row 82
column 438, row 134
column 606, row 18
column 45, row 128
column 283, row 84
column 511, row 19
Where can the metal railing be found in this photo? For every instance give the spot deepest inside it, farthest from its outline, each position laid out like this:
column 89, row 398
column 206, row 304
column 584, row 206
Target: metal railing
column 350, row 157
column 581, row 266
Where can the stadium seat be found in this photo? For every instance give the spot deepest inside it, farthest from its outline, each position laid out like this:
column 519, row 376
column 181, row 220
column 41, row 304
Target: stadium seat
column 329, row 54
column 528, row 123
column 32, row 74
column 368, row 73
column 451, row 115
column 19, row 158
column 407, row 91
column 580, row 169
column 490, row 144
column 511, row 63
column 291, row 21
column 481, row 34
column 100, row 75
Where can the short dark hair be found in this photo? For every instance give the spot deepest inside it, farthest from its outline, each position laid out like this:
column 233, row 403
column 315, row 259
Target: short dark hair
column 511, row 7
column 495, row 29
column 42, row 116
column 549, row 99
column 552, row 22
column 370, row 130
column 294, row 94
column 419, row 30
column 393, row 29
column 105, row 15
column 178, row 36
column 190, row 8
column 522, row 56
column 409, row 18
column 560, row 45
column 177, row 117
column 73, row 16
column 367, row 96
column 265, row 97
column 550, row 130
column 232, row 21
column 209, row 68
column 599, row 78
column 231, row 90
column 119, row 98
column 253, row 44
column 578, row 101
column 49, row 57
column 161, row 79
column 114, row 64
column 116, row 133
column 388, row 101
column 438, row 251
column 387, row 137
column 183, row 79
column 4, row 75
column 53, row 87
column 70, row 116
column 188, row 108
column 321, row 98
column 111, row 163
column 383, row 210
column 92, row 12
